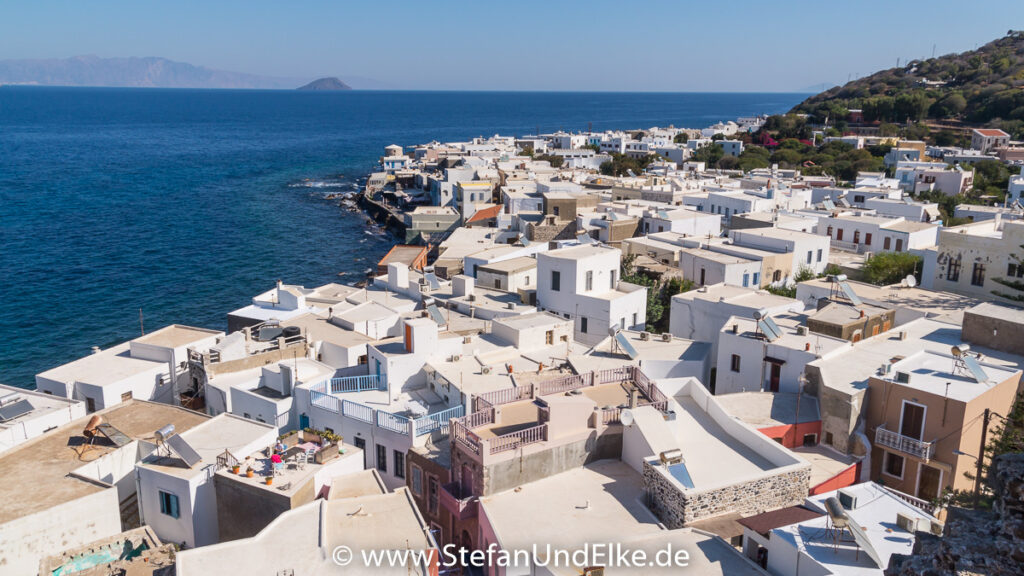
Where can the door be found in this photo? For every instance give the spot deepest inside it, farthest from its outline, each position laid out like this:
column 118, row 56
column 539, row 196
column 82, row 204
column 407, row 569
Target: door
column 701, row 276
column 929, row 483
column 361, row 444
column 912, row 421
column 776, row 375
column 303, row 421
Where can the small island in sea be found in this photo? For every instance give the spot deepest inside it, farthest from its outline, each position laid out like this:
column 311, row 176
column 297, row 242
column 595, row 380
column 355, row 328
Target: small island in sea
column 331, row 83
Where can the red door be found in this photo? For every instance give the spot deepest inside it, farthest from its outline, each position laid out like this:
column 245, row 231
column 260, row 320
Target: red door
column 776, row 375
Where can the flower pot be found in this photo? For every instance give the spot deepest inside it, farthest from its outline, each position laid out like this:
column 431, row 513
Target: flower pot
column 248, row 473
column 234, row 469
column 270, row 480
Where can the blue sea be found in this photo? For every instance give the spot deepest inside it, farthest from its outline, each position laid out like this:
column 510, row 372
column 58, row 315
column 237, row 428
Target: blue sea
column 186, row 203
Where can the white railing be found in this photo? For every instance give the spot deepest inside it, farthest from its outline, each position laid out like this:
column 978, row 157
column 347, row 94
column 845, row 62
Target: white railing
column 912, row 446
column 357, row 411
column 438, row 420
column 393, row 422
column 514, row 440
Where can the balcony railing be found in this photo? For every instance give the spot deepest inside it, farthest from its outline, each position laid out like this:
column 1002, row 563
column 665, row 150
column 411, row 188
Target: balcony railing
column 514, row 440
column 905, row 444
column 461, row 503
column 438, row 420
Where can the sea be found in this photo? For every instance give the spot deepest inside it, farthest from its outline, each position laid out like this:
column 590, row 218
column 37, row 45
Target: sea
column 123, row 210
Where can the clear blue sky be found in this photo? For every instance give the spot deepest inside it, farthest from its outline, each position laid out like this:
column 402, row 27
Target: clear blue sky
column 520, row 45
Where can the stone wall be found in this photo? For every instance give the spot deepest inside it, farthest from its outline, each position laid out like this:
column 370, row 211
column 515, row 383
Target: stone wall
column 560, row 230
column 987, row 542
column 677, row 508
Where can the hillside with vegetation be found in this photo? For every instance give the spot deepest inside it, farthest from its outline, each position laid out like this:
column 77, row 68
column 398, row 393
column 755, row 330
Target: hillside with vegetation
column 983, row 87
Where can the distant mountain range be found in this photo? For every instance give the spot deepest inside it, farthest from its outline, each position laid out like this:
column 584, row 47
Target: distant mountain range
column 151, row 72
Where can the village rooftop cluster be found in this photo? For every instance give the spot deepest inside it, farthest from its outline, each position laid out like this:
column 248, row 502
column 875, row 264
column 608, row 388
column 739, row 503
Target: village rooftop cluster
column 498, row 384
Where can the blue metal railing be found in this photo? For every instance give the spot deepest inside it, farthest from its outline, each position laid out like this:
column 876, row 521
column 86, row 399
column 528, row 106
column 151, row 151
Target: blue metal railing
column 438, row 420
column 393, row 422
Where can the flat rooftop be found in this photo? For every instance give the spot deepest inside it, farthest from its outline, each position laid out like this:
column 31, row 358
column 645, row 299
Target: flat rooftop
column 177, row 335
column 931, row 372
column 319, row 328
column 875, row 513
column 34, row 476
column 511, row 265
column 600, row 502
column 291, row 477
column 931, row 302
column 210, row 439
column 110, row 365
column 713, row 457
column 770, row 409
column 850, row 369
column 41, row 404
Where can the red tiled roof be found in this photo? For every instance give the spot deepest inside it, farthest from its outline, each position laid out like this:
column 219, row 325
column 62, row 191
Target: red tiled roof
column 990, row 132
column 486, row 213
column 768, row 521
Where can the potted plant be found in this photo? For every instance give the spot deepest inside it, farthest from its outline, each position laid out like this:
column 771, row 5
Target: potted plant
column 249, row 472
column 270, row 480
column 235, row 468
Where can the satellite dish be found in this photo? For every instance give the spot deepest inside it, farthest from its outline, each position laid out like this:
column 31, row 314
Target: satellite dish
column 626, row 417
column 911, row 280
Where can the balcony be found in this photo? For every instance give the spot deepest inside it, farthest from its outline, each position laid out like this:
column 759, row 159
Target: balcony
column 461, row 503
column 905, row 444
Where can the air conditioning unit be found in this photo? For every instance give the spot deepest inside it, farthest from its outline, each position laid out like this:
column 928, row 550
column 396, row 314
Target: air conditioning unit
column 801, row 330
column 666, row 337
column 848, row 500
column 885, row 368
column 485, row 370
column 936, row 528
column 467, row 339
column 471, row 298
column 456, row 357
column 645, row 336
column 908, row 523
column 511, row 305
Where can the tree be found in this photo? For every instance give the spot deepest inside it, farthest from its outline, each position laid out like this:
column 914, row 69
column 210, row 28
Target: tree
column 1013, row 281
column 555, row 161
column 709, row 154
column 891, row 267
column 681, row 138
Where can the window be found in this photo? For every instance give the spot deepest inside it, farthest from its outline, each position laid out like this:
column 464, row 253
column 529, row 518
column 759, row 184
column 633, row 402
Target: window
column 417, row 480
column 735, row 363
column 886, row 243
column 978, row 275
column 899, row 244
column 634, row 319
column 90, row 405
column 819, row 254
column 953, row 272
column 556, row 280
column 867, row 239
column 583, row 324
column 169, row 504
column 757, row 278
column 1015, row 270
column 746, row 279
column 126, row 396
column 399, row 464
column 382, row 458
column 810, row 255
column 856, row 236
column 497, row 283
column 590, row 280
column 829, row 231
column 433, row 488
column 615, row 277
column 555, row 210
column 526, row 280
column 777, row 276
column 894, row 465
column 839, row 235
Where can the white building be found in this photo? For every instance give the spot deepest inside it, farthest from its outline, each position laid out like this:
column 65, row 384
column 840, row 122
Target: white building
column 809, row 250
column 150, row 367
column 973, row 258
column 986, row 140
column 682, row 221
column 582, row 283
column 867, row 233
column 25, row 414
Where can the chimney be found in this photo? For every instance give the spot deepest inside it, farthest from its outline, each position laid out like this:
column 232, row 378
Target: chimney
column 807, row 346
column 398, row 276
column 861, row 313
column 462, row 285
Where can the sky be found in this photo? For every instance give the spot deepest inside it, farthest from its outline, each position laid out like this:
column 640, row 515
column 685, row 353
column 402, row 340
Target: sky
column 593, row 45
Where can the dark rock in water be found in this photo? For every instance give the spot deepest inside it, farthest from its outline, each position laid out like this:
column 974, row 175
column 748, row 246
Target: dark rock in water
column 331, row 83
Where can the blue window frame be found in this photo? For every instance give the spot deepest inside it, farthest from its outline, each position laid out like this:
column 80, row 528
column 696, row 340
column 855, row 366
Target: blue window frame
column 169, row 504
